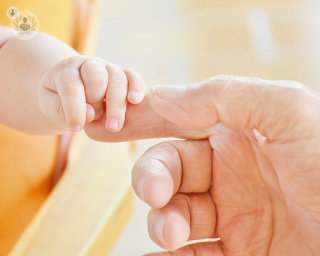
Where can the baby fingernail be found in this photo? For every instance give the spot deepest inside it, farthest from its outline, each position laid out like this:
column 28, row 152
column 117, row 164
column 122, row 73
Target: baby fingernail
column 134, row 95
column 169, row 92
column 114, row 123
column 75, row 128
column 158, row 230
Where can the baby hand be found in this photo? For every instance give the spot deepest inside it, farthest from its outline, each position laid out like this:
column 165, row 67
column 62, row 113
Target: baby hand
column 81, row 89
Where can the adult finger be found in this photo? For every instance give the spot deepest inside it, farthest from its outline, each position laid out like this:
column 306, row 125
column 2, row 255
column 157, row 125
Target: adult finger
column 271, row 107
column 142, row 122
column 186, row 217
column 171, row 167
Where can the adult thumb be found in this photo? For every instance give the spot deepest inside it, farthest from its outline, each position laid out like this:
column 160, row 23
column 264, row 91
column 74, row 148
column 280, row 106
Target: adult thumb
column 271, row 107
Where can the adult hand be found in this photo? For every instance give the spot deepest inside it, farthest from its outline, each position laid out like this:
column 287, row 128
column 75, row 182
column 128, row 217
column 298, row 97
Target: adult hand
column 250, row 175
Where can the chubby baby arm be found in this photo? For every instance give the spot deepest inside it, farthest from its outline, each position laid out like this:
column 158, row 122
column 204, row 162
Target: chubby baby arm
column 22, row 65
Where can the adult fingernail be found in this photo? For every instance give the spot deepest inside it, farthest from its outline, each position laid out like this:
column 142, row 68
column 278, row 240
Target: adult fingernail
column 114, row 123
column 75, row 128
column 134, row 95
column 140, row 188
column 158, row 230
column 169, row 92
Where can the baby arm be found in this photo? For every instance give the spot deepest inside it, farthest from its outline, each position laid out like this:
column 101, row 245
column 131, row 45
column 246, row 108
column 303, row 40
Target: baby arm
column 46, row 87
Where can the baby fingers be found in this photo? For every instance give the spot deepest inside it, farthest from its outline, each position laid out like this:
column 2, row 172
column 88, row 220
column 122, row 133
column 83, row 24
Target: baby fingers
column 95, row 80
column 79, row 89
column 116, row 98
column 73, row 91
column 73, row 100
column 136, row 86
column 123, row 86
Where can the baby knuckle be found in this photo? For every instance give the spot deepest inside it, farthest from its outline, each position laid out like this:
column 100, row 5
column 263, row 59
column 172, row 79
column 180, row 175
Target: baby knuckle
column 61, row 113
column 94, row 74
column 116, row 105
column 97, row 79
column 70, row 89
column 66, row 75
column 130, row 70
column 120, row 80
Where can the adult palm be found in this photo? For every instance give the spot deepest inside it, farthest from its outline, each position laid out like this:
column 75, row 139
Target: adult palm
column 249, row 172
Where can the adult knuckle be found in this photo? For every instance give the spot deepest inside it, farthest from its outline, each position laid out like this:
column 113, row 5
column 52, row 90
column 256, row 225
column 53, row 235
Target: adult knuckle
column 222, row 78
column 218, row 81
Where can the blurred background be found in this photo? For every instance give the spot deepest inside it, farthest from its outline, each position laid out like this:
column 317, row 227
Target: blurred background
column 167, row 42
column 185, row 41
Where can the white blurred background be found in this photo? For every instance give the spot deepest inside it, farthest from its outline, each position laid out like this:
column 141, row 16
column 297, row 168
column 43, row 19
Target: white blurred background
column 185, row 41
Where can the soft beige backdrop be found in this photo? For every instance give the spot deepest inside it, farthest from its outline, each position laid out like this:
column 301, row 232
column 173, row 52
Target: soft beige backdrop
column 184, row 41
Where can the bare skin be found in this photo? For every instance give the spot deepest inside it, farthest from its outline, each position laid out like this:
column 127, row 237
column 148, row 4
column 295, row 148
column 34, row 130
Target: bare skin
column 248, row 171
column 46, row 87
